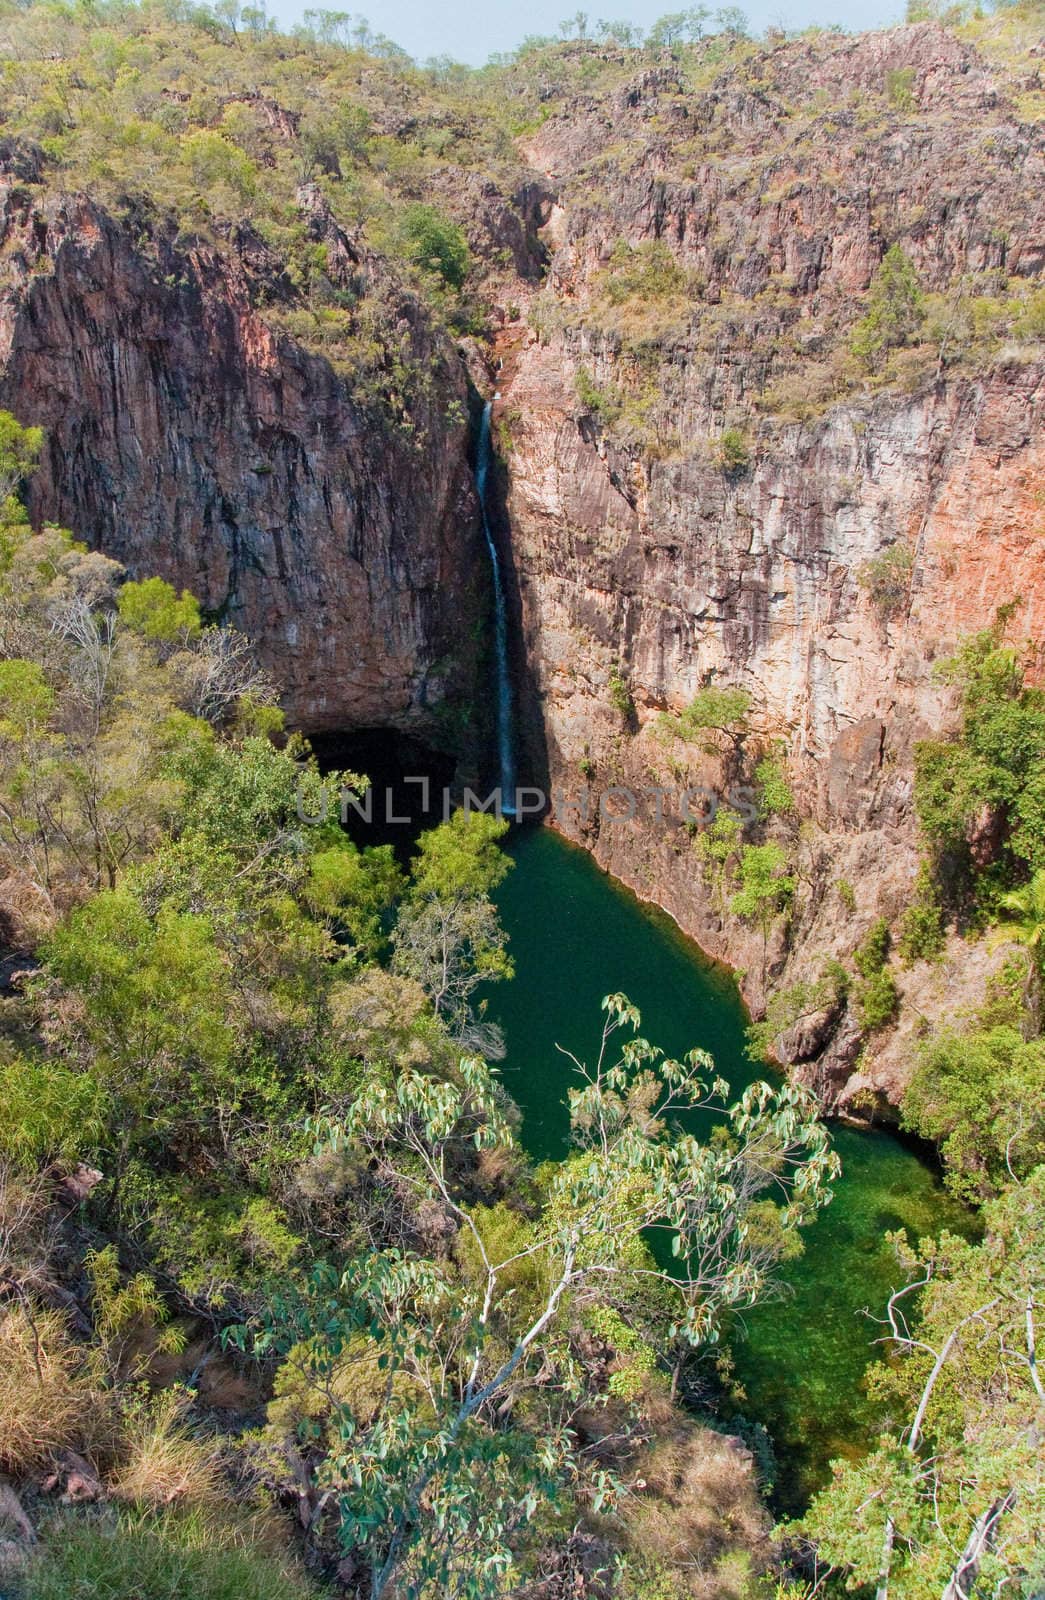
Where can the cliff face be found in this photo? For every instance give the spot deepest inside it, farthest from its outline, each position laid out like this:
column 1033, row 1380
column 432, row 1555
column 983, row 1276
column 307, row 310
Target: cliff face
column 640, row 556
column 700, row 466
column 189, row 436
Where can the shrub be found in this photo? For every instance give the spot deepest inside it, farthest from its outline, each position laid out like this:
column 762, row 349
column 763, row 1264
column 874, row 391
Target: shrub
column 846, row 893
column 895, row 310
column 887, row 579
column 47, row 1112
column 647, row 271
column 774, row 792
column 734, row 451
column 435, row 244
column 620, row 694
column 922, row 935
column 877, row 997
column 603, row 404
column 154, row 608
column 877, row 1001
column 899, row 88
column 977, row 1094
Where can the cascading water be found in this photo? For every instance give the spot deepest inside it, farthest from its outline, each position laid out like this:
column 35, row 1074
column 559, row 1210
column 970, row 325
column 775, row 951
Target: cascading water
column 505, row 720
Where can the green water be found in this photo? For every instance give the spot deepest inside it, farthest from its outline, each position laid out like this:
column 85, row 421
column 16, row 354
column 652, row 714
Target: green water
column 577, row 936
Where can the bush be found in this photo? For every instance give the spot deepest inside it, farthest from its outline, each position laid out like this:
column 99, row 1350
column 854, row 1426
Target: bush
column 167, row 1558
column 977, row 1094
column 620, row 693
column 887, row 579
column 877, row 1001
column 922, row 934
column 877, row 997
column 435, row 244
column 899, row 88
column 774, row 792
column 895, row 310
column 734, row 451
column 646, row 272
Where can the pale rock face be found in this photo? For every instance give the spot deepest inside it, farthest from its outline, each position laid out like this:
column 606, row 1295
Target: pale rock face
column 679, row 572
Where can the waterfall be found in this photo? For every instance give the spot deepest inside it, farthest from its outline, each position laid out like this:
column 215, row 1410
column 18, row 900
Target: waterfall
column 505, row 731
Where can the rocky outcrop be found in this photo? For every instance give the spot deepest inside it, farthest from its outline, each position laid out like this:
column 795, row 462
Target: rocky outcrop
column 186, row 434
column 648, row 562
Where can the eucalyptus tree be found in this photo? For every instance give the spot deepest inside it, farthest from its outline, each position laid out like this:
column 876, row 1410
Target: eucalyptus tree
column 451, row 1383
column 951, row 1501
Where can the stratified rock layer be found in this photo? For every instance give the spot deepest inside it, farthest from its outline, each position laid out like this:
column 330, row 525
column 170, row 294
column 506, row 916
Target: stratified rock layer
column 188, row 437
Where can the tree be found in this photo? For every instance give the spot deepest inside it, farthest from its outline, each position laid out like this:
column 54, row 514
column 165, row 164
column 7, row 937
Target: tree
column 765, row 889
column 19, row 453
column 977, row 1093
column 718, row 711
column 951, row 1501
column 448, row 936
column 424, row 1455
column 437, row 245
column 982, row 795
column 895, row 309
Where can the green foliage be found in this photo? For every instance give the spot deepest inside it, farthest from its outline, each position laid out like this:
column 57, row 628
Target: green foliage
column 437, row 245
column 635, row 1360
column 48, row 1112
column 712, row 710
column 765, row 887
column 19, row 453
column 164, row 1558
column 26, row 700
column 603, row 404
column 448, row 937
column 431, row 1485
column 847, row 894
column 895, row 310
column 962, row 1399
column 876, row 997
column 719, row 846
column 871, row 955
column 154, row 609
column 1023, row 914
column 733, row 451
column 355, row 891
column 977, row 1093
column 899, row 88
column 922, row 934
column 788, row 1007
column 994, row 771
column 644, row 272
column 620, row 693
column 461, row 857
column 887, row 579
column 775, row 796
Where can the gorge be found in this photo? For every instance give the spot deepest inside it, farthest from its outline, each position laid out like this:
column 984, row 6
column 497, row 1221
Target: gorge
column 645, row 429
column 187, row 433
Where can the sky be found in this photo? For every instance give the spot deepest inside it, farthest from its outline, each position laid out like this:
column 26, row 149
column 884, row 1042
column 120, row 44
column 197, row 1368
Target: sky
column 473, row 32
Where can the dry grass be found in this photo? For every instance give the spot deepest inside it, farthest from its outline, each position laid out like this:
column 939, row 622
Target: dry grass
column 49, row 1399
column 162, row 1464
column 699, row 1512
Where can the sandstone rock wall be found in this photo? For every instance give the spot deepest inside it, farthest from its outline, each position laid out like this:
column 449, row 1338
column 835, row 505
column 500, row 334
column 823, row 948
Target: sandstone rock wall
column 188, row 436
